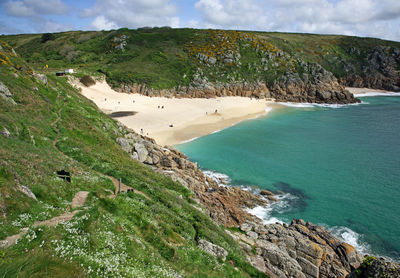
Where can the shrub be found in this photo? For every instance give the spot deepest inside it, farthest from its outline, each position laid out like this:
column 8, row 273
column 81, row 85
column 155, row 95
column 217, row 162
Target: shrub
column 47, row 37
column 87, row 80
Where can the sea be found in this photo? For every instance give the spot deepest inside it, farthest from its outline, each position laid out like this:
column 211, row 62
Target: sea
column 333, row 165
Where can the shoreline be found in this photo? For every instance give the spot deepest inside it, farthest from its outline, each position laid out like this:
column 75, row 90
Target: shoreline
column 172, row 121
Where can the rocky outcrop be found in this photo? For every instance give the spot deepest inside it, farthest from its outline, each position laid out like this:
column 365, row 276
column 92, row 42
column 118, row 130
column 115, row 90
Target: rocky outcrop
column 212, row 249
column 322, row 87
column 380, row 71
column 376, row 268
column 223, row 204
column 40, row 77
column 315, row 86
column 6, row 94
column 296, row 250
column 24, row 189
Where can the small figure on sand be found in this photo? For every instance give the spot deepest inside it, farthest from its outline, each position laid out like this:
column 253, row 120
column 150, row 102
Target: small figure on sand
column 141, row 130
column 216, row 111
column 162, row 107
column 171, row 125
column 105, row 99
column 159, row 107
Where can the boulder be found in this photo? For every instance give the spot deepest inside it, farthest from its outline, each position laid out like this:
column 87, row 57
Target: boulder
column 5, row 132
column 212, row 249
column 41, row 77
column 126, row 144
column 5, row 93
column 141, row 151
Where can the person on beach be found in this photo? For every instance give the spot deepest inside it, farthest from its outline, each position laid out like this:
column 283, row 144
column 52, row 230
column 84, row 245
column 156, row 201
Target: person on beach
column 141, row 130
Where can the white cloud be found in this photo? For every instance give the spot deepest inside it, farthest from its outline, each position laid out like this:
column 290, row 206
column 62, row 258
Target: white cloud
column 28, row 8
column 101, row 23
column 234, row 13
column 133, row 13
column 351, row 17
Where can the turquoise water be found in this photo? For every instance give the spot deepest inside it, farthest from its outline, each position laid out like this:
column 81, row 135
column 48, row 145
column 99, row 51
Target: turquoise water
column 341, row 167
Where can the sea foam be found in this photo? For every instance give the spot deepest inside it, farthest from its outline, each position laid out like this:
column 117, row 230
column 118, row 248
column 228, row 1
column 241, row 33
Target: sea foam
column 219, row 178
column 351, row 237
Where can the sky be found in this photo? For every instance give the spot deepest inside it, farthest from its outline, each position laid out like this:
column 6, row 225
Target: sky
column 366, row 18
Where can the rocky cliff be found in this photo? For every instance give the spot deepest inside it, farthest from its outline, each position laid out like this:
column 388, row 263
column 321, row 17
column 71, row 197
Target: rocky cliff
column 315, row 86
column 380, row 71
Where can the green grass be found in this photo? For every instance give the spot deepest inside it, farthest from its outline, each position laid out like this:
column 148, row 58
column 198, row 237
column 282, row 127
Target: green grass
column 161, row 57
column 128, row 236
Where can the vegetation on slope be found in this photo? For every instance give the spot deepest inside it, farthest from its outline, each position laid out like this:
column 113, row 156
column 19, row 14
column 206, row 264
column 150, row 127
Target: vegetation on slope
column 52, row 127
column 164, row 58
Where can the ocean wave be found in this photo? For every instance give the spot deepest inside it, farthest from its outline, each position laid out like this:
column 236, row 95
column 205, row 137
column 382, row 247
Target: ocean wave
column 377, row 94
column 281, row 206
column 219, row 178
column 351, row 237
column 216, row 131
column 187, row 141
column 264, row 213
column 268, row 109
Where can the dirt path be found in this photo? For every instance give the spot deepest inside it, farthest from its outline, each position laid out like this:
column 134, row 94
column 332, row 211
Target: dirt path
column 124, row 188
column 78, row 201
column 54, row 124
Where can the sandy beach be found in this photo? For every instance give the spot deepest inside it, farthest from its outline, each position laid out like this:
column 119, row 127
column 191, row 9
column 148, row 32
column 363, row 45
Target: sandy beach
column 172, row 121
column 356, row 91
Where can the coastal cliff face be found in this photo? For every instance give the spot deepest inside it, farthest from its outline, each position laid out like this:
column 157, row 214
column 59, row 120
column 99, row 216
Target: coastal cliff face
column 380, row 72
column 300, row 249
column 317, row 86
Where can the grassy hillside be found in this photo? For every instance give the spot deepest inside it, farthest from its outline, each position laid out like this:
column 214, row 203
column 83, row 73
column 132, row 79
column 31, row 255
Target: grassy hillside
column 168, row 58
column 52, row 127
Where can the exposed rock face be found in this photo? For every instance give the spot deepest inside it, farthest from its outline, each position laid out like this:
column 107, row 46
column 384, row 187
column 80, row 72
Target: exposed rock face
column 5, row 133
column 5, row 93
column 26, row 191
column 224, row 204
column 375, row 268
column 41, row 77
column 297, row 250
column 381, row 71
column 212, row 249
column 316, row 86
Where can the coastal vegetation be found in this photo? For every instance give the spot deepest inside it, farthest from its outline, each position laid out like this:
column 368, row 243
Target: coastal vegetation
column 165, row 58
column 47, row 126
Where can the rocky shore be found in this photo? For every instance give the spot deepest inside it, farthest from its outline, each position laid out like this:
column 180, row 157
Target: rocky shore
column 300, row 249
